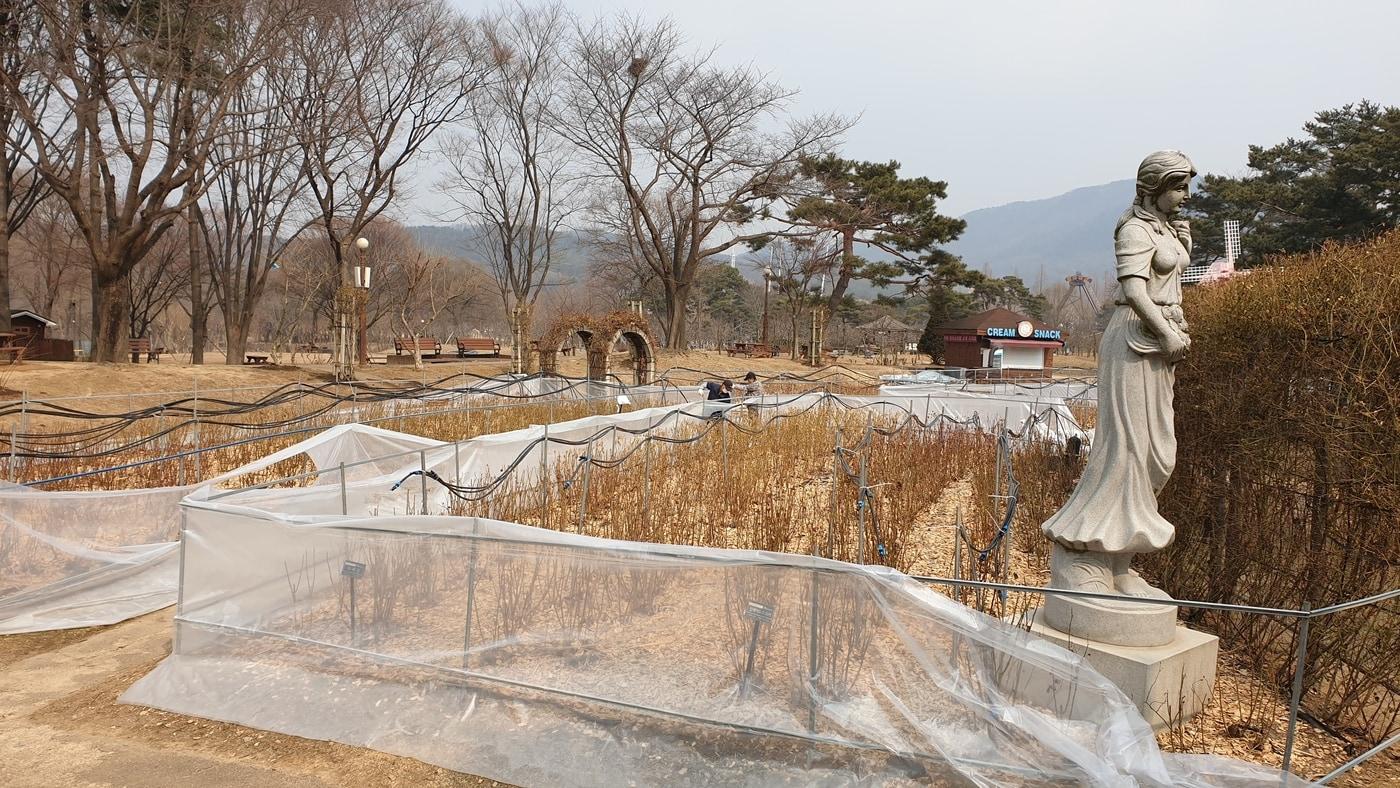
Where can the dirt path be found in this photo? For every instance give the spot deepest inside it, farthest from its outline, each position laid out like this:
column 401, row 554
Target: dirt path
column 60, row 725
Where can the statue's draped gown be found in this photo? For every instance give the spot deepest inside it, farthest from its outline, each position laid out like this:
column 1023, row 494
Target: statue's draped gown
column 1114, row 507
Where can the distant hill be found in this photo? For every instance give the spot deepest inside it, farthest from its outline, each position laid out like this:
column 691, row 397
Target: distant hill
column 1064, row 234
column 1068, row 233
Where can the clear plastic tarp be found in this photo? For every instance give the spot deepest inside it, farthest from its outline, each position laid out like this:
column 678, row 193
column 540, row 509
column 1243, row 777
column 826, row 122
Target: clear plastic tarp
column 542, row 658
column 76, row 559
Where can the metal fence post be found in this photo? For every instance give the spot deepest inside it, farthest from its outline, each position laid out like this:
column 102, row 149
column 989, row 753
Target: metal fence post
column 587, row 478
column 471, row 596
column 544, row 479
column 423, row 478
column 836, row 474
column 813, row 663
column 344, row 497
column 198, row 455
column 1299, row 667
column 646, row 480
column 861, row 498
column 724, row 448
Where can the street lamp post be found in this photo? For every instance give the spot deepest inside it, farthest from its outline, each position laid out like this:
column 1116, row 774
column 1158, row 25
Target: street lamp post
column 362, row 275
column 767, row 281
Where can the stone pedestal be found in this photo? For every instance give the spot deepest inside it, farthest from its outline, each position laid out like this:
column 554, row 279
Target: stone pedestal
column 1169, row 683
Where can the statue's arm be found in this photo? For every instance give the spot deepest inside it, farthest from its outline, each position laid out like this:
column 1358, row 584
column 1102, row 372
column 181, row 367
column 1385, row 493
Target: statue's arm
column 1135, row 294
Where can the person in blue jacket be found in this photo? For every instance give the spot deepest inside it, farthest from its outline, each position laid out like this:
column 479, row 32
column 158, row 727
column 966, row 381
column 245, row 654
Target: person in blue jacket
column 719, row 392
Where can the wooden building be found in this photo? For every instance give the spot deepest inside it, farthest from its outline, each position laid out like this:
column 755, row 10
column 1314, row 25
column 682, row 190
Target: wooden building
column 30, row 330
column 1009, row 343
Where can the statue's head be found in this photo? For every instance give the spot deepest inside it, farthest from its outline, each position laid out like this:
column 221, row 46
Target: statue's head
column 1163, row 179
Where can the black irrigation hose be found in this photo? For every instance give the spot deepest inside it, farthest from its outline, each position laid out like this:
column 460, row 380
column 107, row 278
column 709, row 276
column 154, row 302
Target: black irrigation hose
column 478, row 492
column 82, row 443
column 93, row 437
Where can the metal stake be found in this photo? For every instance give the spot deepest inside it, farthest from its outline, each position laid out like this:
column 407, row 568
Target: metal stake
column 423, row 478
column 646, row 481
column 813, row 663
column 861, row 501
column 544, row 479
column 724, row 448
column 471, row 596
column 587, row 476
column 1299, row 667
column 344, row 498
column 836, row 475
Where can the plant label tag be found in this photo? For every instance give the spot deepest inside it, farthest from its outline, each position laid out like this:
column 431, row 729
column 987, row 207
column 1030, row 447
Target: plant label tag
column 352, row 569
column 757, row 611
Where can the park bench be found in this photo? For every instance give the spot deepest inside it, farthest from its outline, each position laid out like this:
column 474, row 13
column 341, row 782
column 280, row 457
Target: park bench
column 567, row 350
column 142, row 345
column 758, row 349
column 428, row 346
column 255, row 358
column 478, row 346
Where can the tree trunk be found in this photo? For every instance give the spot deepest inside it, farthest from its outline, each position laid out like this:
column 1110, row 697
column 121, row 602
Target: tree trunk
column 524, row 319
column 109, row 315
column 843, row 278
column 792, row 354
column 198, row 313
column 5, row 305
column 677, row 296
column 236, row 338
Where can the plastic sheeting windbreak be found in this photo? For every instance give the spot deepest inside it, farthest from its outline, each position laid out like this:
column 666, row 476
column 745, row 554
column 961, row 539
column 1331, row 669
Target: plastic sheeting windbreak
column 542, row 658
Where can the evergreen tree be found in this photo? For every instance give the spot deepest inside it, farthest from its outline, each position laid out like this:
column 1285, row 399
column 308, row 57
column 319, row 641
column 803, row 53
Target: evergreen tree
column 868, row 203
column 1339, row 183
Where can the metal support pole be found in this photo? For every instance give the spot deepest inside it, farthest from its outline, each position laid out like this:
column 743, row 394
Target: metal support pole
column 353, row 639
column 544, row 479
column 423, row 478
column 180, row 584
column 457, row 462
column 1299, row 668
column 836, row 474
column 724, row 448
column 12, row 454
column 198, row 455
column 813, row 663
column 861, row 499
column 587, row 478
column 471, row 597
column 646, row 482
column 344, row 498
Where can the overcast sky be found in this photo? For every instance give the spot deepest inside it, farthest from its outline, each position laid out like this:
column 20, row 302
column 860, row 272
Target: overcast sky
column 1015, row 101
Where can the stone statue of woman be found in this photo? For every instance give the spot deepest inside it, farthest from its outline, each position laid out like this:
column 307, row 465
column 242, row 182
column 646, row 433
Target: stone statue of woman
column 1112, row 514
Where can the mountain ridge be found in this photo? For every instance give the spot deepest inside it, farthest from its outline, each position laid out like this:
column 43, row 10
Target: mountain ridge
column 1042, row 240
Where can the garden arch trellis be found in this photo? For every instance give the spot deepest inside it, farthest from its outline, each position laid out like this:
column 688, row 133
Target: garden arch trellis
column 599, row 335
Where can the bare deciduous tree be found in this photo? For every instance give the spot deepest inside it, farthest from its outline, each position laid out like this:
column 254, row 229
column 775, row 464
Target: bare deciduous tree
column 21, row 188
column 795, row 264
column 157, row 280
column 140, row 95
column 685, row 143
column 374, row 80
column 50, row 260
column 430, row 288
column 510, row 175
column 253, row 204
